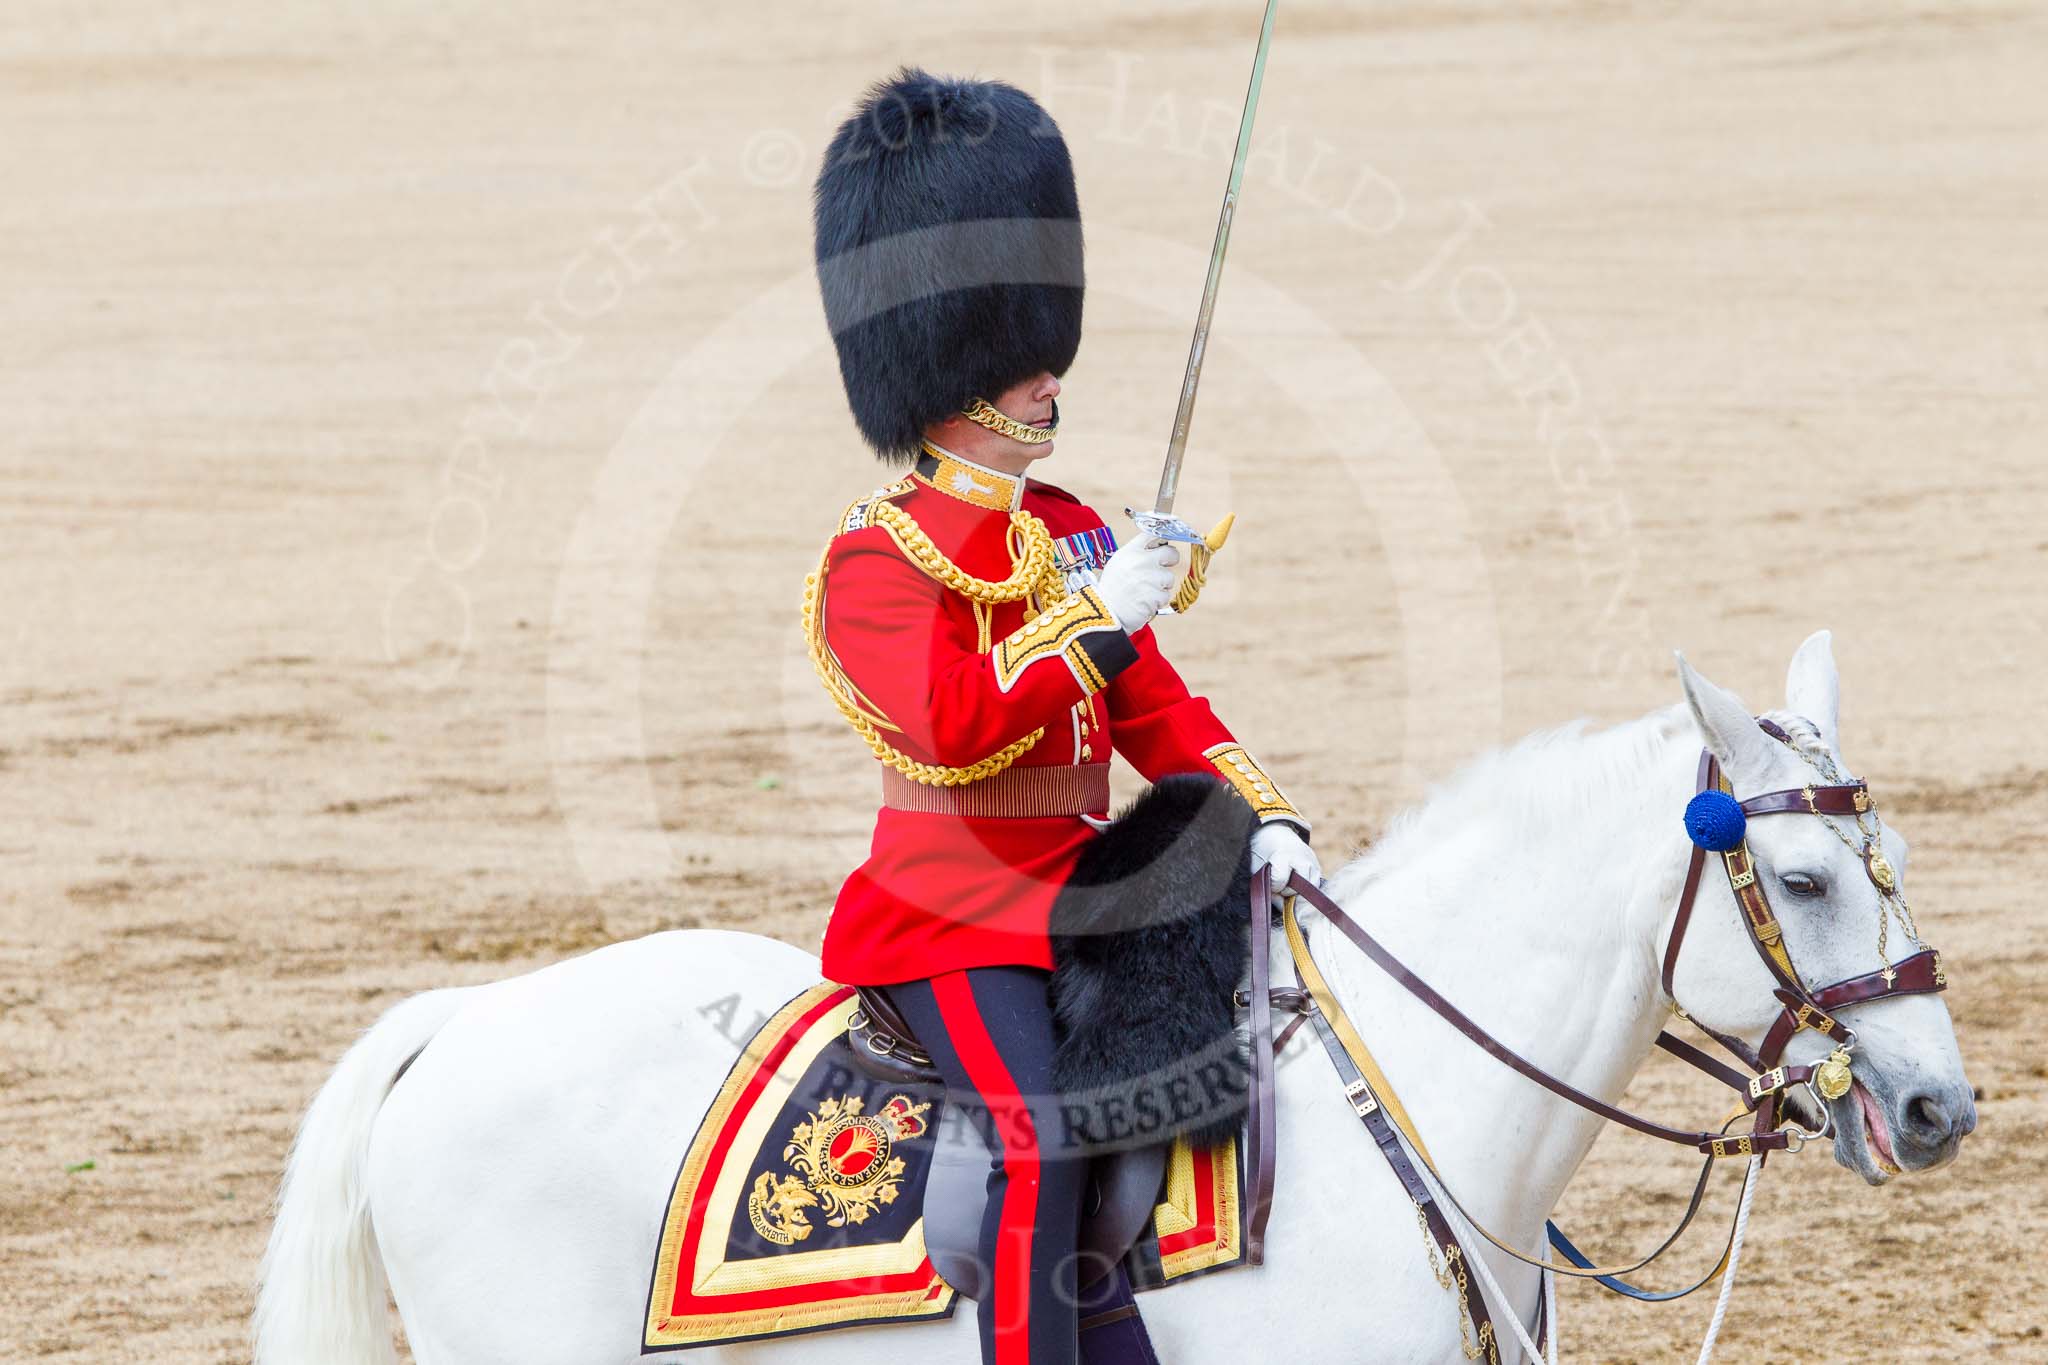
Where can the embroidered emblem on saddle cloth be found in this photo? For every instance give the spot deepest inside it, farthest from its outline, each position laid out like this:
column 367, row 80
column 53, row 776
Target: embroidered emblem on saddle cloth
column 799, row 1205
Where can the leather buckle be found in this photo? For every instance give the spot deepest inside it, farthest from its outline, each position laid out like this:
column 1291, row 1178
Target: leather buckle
column 1360, row 1095
column 1813, row 1017
column 1741, row 867
column 1768, row 1083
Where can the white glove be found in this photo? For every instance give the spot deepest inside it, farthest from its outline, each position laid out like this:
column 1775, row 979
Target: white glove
column 1279, row 846
column 1138, row 580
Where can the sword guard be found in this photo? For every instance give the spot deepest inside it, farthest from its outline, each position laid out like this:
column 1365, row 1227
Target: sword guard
column 1166, row 526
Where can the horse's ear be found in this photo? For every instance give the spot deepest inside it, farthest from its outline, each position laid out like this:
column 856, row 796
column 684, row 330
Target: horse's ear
column 1727, row 727
column 1813, row 686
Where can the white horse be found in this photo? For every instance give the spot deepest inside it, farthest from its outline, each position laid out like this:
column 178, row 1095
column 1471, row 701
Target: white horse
column 512, row 1183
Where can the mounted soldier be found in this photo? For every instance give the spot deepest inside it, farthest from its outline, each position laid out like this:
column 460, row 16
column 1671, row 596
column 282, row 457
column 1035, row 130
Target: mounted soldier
column 991, row 643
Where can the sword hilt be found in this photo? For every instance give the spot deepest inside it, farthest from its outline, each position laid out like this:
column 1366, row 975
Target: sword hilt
column 1201, row 549
column 1166, row 526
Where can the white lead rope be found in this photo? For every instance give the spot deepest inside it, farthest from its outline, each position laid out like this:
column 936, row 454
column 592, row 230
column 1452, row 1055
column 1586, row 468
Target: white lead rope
column 1549, row 1301
column 1502, row 1309
column 1490, row 1287
column 1756, row 1164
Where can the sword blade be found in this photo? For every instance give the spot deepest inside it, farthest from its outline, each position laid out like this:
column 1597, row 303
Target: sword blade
column 1184, row 416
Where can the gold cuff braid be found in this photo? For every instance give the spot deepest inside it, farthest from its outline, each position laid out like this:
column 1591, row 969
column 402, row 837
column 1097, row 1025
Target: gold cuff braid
column 1259, row 791
column 1057, row 633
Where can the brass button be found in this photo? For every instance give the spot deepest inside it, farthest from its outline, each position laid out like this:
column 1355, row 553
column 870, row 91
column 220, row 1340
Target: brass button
column 1087, row 752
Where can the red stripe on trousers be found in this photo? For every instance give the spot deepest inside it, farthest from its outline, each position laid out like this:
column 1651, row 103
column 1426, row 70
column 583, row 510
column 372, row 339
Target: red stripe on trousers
column 1011, row 1277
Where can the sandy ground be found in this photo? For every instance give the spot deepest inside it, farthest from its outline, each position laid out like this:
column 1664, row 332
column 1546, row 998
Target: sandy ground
column 418, row 425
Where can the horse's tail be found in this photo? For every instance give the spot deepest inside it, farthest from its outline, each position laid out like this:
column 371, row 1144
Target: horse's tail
column 322, row 1296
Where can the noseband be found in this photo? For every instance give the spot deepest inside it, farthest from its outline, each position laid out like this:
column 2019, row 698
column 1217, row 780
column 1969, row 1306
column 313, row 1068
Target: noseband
column 1800, row 1008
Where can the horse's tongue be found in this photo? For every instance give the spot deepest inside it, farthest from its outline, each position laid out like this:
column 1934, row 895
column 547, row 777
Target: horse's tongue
column 1873, row 1124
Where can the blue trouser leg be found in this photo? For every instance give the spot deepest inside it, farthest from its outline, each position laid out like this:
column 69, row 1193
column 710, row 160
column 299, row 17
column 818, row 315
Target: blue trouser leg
column 989, row 1031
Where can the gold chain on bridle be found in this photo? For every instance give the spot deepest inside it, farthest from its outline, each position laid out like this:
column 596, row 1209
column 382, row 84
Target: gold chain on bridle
column 1891, row 897
column 1034, row 574
column 1450, row 1274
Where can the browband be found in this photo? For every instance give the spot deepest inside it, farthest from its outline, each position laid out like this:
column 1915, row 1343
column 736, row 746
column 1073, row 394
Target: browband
column 1848, row 799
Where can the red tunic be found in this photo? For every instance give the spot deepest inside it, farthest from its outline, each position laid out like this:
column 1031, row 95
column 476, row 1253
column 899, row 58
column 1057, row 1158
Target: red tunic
column 959, row 680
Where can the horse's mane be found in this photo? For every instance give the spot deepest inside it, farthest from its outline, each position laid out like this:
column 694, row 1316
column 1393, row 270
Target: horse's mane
column 1805, row 736
column 1550, row 776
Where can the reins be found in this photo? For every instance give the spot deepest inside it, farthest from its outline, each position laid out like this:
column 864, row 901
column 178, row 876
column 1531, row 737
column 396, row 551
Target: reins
column 1712, row 1143
column 1718, row 824
column 1369, row 1092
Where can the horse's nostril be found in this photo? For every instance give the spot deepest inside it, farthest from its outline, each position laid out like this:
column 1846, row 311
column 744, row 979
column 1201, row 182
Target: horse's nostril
column 1928, row 1120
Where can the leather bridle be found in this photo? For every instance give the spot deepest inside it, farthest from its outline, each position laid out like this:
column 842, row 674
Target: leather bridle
column 1760, row 1089
column 1800, row 1008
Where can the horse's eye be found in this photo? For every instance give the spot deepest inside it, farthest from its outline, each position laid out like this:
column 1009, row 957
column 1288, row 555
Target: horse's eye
column 1803, row 886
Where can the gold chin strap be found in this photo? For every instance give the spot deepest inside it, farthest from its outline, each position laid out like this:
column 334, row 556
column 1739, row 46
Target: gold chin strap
column 989, row 415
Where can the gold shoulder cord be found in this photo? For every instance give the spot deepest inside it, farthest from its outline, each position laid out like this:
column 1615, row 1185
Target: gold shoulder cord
column 1034, row 570
column 1034, row 574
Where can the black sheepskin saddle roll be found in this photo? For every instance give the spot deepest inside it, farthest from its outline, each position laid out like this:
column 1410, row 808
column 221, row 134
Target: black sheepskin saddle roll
column 1150, row 942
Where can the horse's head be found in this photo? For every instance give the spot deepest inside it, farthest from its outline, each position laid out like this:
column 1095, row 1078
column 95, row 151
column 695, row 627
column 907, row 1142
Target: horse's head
column 1910, row 1106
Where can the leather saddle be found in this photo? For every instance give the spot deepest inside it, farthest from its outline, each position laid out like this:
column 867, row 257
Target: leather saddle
column 1124, row 1186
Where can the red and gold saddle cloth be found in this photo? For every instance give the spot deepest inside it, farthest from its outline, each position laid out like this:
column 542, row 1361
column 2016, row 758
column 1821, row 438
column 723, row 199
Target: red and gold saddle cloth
column 1196, row 1227
column 799, row 1206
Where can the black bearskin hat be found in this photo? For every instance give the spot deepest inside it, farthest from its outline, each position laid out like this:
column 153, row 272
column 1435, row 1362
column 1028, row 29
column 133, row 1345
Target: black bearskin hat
column 949, row 251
